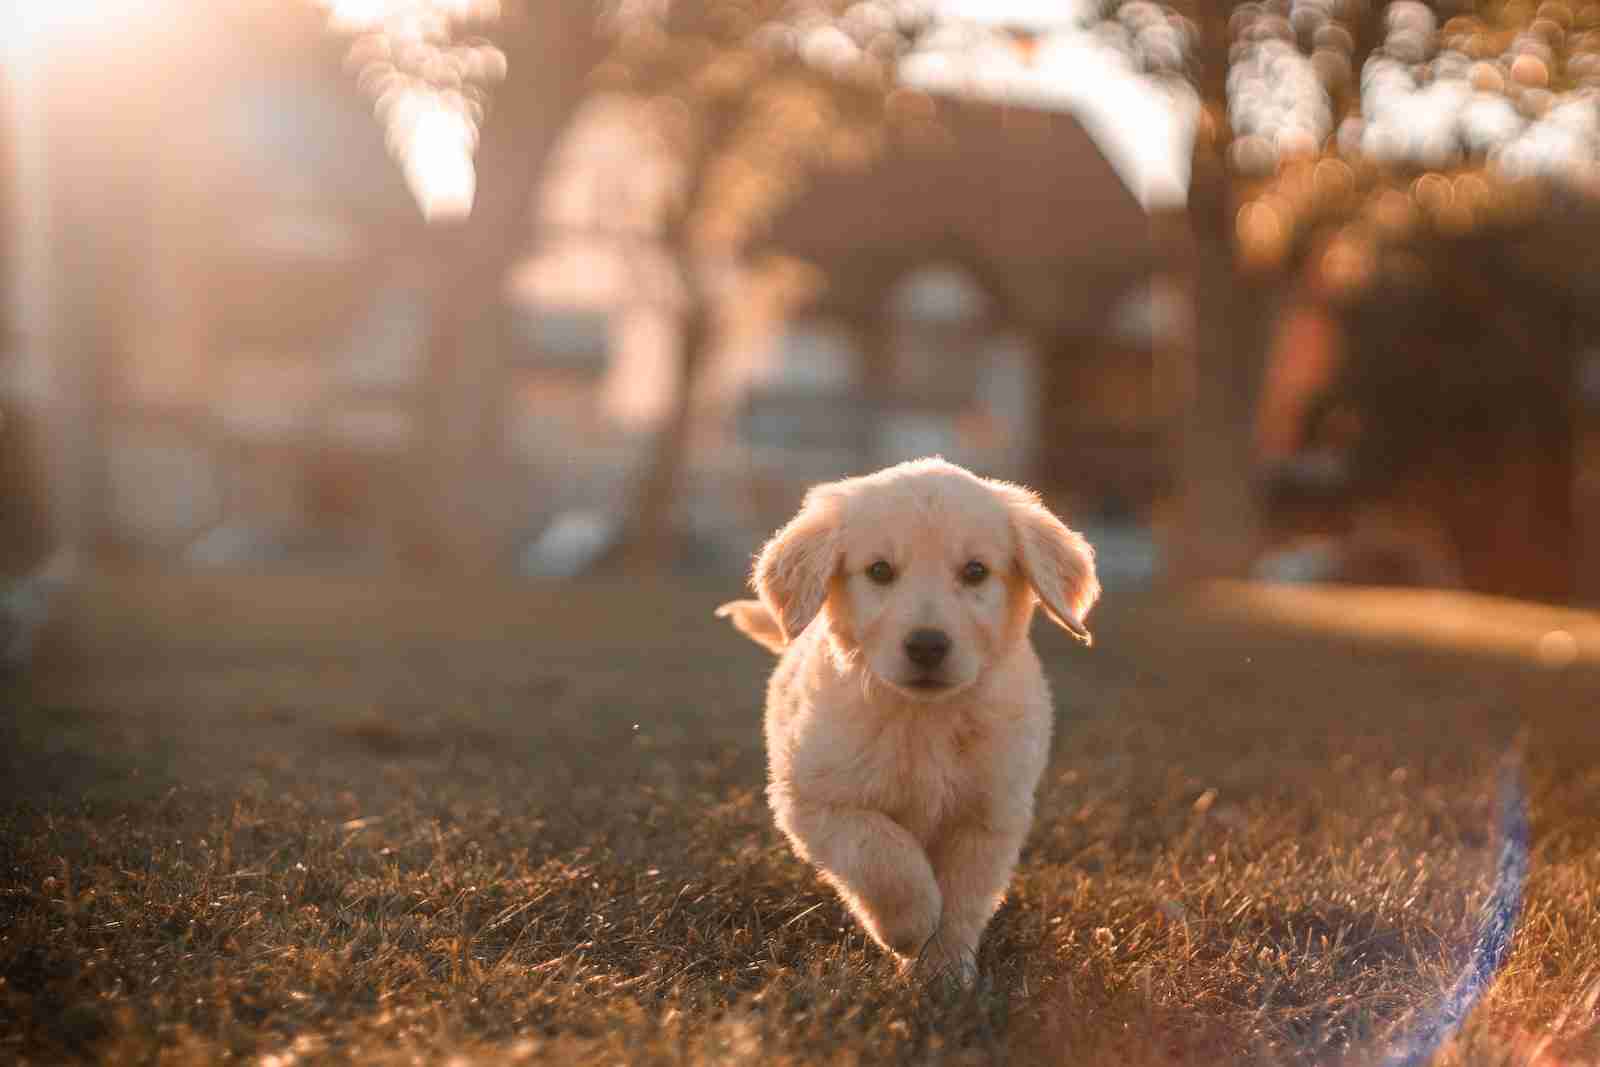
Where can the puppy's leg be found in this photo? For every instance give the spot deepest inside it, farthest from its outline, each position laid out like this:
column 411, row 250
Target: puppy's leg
column 972, row 864
column 878, row 868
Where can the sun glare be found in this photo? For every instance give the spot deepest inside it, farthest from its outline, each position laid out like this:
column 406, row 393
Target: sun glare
column 437, row 157
column 428, row 89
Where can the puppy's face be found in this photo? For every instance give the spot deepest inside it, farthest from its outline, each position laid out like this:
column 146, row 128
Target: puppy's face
column 927, row 591
column 924, row 573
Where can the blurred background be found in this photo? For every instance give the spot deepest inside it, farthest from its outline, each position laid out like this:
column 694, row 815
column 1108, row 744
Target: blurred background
column 1296, row 289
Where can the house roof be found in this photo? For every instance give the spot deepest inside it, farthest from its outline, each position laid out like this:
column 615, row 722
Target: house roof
column 1020, row 196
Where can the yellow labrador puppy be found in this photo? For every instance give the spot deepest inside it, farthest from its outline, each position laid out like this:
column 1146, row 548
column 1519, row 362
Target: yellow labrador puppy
column 908, row 720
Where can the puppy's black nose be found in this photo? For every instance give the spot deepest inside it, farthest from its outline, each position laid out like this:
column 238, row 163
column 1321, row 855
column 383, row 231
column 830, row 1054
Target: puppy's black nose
column 927, row 648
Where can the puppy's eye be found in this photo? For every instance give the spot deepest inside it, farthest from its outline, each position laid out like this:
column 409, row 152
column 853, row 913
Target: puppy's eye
column 881, row 572
column 974, row 573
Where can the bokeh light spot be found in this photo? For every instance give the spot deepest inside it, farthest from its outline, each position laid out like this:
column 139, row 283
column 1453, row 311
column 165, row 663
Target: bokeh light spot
column 428, row 89
column 1557, row 649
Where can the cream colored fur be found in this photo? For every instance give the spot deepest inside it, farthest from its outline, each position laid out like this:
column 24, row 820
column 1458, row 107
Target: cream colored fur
column 911, row 789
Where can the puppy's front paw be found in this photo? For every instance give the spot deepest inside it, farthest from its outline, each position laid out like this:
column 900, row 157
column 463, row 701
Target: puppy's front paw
column 878, row 868
column 945, row 962
column 903, row 919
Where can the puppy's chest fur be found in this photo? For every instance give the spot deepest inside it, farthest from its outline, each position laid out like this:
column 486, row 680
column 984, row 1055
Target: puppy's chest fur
column 923, row 765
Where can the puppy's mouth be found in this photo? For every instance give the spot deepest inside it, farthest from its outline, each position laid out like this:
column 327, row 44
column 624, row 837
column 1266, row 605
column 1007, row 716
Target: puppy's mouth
column 928, row 685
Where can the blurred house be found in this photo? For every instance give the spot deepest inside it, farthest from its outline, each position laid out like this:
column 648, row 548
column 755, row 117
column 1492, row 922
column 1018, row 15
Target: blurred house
column 992, row 277
column 957, row 386
column 987, row 293
column 564, row 445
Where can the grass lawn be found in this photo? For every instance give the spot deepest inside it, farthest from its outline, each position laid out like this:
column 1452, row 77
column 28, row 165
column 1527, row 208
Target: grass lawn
column 307, row 820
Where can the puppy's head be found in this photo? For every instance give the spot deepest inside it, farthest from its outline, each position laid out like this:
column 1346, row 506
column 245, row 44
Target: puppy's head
column 924, row 573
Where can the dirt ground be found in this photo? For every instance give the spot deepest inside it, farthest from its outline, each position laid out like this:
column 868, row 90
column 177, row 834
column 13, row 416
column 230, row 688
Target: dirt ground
column 333, row 819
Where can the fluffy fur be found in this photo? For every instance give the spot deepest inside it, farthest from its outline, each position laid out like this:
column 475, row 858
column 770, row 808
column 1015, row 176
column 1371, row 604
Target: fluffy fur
column 906, row 775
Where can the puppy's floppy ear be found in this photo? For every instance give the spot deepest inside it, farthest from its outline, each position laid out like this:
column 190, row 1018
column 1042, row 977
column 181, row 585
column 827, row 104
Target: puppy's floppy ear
column 751, row 618
column 1058, row 562
column 791, row 575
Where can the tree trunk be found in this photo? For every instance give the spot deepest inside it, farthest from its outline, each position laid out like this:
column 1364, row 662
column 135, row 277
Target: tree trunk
column 653, row 541
column 1217, row 527
column 550, row 51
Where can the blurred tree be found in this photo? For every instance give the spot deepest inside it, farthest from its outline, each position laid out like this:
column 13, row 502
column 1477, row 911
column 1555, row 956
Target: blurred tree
column 746, row 95
column 550, row 50
column 750, row 98
column 1428, row 171
column 473, row 96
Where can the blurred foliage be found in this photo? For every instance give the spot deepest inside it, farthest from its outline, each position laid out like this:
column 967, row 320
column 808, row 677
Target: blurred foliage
column 1317, row 113
column 751, row 97
column 1426, row 174
column 1347, row 135
column 746, row 96
column 430, row 73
